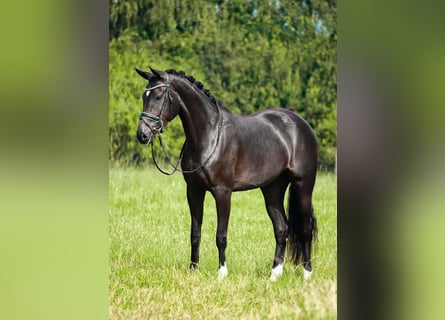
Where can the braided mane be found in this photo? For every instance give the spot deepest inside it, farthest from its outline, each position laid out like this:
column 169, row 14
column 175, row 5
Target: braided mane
column 198, row 84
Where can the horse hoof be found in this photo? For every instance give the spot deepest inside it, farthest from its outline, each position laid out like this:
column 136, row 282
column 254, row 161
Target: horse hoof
column 276, row 273
column 307, row 274
column 193, row 266
column 222, row 272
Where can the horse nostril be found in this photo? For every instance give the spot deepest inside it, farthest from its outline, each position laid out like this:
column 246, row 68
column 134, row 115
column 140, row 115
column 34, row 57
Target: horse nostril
column 142, row 137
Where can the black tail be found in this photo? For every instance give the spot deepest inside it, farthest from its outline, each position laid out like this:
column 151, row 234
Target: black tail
column 296, row 226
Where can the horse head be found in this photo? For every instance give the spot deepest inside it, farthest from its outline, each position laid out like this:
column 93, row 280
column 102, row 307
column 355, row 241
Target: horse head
column 157, row 103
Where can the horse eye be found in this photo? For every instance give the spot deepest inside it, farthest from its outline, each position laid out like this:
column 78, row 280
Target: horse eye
column 158, row 97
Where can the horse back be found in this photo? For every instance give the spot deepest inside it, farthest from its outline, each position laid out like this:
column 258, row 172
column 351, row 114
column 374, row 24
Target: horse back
column 280, row 127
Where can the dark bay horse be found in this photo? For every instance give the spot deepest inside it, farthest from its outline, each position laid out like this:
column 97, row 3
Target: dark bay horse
column 225, row 152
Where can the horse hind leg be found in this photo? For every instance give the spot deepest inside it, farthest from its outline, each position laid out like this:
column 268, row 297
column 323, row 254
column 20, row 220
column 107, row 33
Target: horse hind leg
column 309, row 235
column 274, row 196
column 302, row 227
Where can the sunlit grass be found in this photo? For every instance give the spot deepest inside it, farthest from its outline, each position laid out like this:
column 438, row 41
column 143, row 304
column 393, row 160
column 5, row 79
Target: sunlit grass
column 150, row 253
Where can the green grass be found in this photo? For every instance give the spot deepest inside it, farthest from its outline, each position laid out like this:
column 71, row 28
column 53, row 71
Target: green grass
column 150, row 254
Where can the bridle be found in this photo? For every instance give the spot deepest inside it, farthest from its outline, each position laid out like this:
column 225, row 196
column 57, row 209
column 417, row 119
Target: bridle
column 158, row 119
column 160, row 128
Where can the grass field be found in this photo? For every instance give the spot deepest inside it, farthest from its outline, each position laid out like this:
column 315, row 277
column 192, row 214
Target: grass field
column 150, row 253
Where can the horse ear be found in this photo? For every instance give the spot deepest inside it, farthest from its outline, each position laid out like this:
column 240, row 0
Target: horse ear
column 156, row 72
column 143, row 74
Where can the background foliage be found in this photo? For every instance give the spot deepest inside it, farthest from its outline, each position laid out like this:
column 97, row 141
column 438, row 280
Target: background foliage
column 251, row 55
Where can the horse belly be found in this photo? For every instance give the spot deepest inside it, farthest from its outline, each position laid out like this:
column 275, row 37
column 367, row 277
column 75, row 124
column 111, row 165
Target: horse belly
column 259, row 169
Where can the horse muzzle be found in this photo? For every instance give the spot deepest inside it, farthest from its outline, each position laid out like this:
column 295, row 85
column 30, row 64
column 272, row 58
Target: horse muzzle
column 144, row 136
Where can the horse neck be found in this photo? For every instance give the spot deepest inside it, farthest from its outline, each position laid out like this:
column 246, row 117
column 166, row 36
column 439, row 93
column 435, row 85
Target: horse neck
column 198, row 114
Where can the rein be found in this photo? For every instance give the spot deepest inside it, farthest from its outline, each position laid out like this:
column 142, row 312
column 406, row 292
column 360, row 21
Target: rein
column 157, row 119
column 175, row 167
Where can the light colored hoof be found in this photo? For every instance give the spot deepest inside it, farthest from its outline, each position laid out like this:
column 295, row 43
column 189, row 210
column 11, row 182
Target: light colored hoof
column 222, row 272
column 276, row 273
column 307, row 274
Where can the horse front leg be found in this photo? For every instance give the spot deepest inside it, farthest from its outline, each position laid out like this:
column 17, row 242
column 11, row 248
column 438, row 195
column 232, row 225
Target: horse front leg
column 222, row 199
column 195, row 198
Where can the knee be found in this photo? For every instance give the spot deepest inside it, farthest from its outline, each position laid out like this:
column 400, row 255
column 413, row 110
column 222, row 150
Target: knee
column 221, row 241
column 195, row 239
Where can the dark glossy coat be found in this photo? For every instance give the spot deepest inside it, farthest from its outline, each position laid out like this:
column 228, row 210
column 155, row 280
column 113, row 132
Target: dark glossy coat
column 225, row 152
